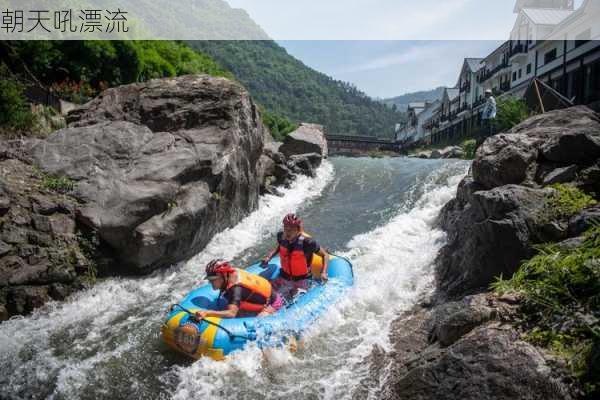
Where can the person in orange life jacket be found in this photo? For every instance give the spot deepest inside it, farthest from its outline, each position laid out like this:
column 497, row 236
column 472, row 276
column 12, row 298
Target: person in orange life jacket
column 246, row 294
column 296, row 251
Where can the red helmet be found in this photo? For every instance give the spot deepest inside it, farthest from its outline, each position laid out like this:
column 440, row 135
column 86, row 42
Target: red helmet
column 292, row 220
column 218, row 267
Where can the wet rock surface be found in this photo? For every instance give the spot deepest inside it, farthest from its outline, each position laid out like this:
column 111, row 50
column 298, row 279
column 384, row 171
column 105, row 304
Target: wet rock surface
column 499, row 213
column 465, row 343
column 461, row 350
column 142, row 178
column 40, row 243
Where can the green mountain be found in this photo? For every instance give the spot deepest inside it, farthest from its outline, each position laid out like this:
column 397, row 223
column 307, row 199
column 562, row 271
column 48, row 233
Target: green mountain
column 401, row 102
column 285, row 86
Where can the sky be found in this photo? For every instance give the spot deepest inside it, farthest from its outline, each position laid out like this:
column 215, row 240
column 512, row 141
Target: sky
column 385, row 47
column 390, row 68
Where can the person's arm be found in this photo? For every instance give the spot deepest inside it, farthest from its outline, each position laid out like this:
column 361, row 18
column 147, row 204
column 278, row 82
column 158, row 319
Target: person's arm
column 270, row 255
column 234, row 298
column 273, row 252
column 231, row 312
column 325, row 255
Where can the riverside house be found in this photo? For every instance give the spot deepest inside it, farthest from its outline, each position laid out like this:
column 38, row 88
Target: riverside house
column 550, row 41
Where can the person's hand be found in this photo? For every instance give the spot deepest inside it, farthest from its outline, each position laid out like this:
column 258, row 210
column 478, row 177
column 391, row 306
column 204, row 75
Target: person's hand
column 200, row 315
column 265, row 261
column 324, row 276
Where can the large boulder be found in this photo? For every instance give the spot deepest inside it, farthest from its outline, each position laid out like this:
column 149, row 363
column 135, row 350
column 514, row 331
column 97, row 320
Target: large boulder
column 160, row 167
column 554, row 140
column 489, row 233
column 488, row 363
column 461, row 350
column 500, row 211
column 308, row 138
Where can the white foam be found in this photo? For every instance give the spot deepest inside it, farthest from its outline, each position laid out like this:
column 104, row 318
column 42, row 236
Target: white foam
column 93, row 319
column 393, row 268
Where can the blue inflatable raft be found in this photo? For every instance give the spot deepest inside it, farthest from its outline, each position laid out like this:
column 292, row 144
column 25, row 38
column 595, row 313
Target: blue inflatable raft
column 218, row 337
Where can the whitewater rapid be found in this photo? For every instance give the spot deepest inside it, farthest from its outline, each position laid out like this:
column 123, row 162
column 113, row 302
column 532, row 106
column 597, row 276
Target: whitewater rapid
column 103, row 343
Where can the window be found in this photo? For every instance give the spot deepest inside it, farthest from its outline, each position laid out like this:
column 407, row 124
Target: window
column 514, row 76
column 550, row 56
column 529, row 68
column 520, row 73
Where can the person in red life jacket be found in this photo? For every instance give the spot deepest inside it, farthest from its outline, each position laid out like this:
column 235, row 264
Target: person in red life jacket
column 247, row 294
column 298, row 253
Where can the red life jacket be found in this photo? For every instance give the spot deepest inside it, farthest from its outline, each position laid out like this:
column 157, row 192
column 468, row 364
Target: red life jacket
column 256, row 285
column 293, row 259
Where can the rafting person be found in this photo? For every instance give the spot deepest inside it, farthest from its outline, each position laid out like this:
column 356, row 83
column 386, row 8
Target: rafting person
column 300, row 256
column 247, row 294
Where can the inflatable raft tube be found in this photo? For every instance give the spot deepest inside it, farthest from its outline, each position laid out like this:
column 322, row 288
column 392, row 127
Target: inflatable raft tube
column 218, row 337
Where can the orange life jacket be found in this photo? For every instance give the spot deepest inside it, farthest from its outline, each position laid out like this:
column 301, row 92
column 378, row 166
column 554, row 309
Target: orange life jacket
column 294, row 261
column 256, row 285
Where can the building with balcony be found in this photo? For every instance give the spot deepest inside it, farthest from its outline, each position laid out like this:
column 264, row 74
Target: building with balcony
column 550, row 40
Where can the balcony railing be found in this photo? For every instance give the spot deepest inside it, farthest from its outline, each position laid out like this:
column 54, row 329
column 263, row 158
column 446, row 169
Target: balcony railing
column 518, row 49
column 487, row 74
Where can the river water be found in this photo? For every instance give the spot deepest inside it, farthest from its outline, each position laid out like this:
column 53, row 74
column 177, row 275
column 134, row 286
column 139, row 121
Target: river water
column 103, row 342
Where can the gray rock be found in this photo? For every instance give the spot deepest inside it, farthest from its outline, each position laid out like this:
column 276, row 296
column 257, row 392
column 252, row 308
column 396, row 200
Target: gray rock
column 22, row 300
column 498, row 214
column 436, row 154
column 447, row 152
column 161, row 166
column 586, row 144
column 42, row 205
column 561, row 175
column 571, row 243
column 4, row 205
column 488, row 237
column 304, row 164
column 453, row 320
column 505, row 159
column 487, row 364
column 584, row 220
column 308, row 138
column 5, row 248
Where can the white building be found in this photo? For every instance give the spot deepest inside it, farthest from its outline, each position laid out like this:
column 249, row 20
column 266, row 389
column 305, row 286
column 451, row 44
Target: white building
column 550, row 40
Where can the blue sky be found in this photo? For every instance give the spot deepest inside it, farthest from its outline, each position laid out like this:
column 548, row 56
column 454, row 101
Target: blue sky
column 385, row 47
column 390, row 68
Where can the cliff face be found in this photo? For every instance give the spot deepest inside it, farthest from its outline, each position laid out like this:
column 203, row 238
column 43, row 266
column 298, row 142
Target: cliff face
column 465, row 343
column 501, row 208
column 142, row 178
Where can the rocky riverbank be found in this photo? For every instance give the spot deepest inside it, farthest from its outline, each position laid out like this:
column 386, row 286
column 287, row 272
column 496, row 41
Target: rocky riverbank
column 446, row 152
column 532, row 185
column 142, row 178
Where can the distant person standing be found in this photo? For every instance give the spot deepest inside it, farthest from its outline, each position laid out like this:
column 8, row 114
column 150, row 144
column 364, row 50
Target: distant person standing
column 488, row 115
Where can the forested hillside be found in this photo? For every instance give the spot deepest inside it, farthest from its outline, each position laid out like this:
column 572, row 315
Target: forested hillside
column 285, row 86
column 401, row 102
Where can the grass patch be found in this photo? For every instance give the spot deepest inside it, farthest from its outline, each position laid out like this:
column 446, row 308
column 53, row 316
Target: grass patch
column 568, row 200
column 560, row 288
column 59, row 184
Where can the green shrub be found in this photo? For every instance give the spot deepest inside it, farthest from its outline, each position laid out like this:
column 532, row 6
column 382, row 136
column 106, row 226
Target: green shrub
column 567, row 200
column 511, row 111
column 469, row 147
column 560, row 288
column 279, row 126
column 15, row 114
